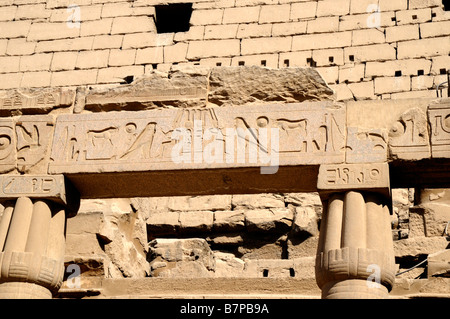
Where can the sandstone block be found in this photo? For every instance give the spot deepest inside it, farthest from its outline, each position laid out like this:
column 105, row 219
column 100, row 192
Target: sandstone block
column 20, row 46
column 107, row 42
column 36, row 79
column 275, row 13
column 439, row 64
column 434, row 29
column 7, row 13
column 366, row 21
column 265, row 45
column 75, row 44
column 406, row 67
column 14, row 29
column 160, row 224
column 175, row 53
column 413, row 16
column 36, row 62
column 10, row 80
column 351, row 73
column 323, row 24
column 229, row 220
column 329, row 73
column 92, row 59
column 333, row 7
column 257, row 201
column 150, row 55
column 240, row 15
column 367, row 36
column 295, row 59
column 415, row 4
column 9, row 64
column 199, row 203
column 392, row 84
column 362, row 90
column 422, row 48
column 300, row 10
column 328, row 57
column 96, row 27
column 305, row 221
column 321, row 41
column 121, row 57
column 205, row 17
column 51, row 31
column 241, row 80
column 250, row 30
column 143, row 40
column 264, row 60
column 122, row 25
column 32, row 11
column 422, row 82
column 375, row 52
column 362, row 6
column 402, row 32
column 289, row 28
column 196, row 221
column 227, row 31
column 116, row 74
column 64, row 61
column 274, row 220
column 76, row 77
column 393, row 5
column 195, row 32
column 213, row 48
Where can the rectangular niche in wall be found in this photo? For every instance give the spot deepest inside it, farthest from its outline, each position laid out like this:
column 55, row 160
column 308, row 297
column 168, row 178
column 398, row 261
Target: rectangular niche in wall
column 173, row 17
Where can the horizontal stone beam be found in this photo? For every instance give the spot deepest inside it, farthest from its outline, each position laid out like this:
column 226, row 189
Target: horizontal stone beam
column 236, row 149
column 55, row 188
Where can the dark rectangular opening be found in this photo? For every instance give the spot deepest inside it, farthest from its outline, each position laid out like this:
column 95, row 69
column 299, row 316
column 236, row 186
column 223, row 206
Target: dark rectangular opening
column 420, row 72
column 398, row 73
column 351, row 58
column 173, row 17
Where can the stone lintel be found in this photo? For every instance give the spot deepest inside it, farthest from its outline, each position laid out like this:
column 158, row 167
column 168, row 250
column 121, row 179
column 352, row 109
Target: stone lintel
column 55, row 188
column 373, row 177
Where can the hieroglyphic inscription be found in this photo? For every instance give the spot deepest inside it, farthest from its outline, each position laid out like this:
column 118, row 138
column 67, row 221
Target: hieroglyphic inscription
column 7, row 145
column 366, row 146
column 146, row 95
column 16, row 100
column 439, row 117
column 408, row 137
column 33, row 186
column 353, row 176
column 307, row 133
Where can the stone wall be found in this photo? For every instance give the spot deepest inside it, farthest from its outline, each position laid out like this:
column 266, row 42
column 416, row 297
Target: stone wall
column 367, row 49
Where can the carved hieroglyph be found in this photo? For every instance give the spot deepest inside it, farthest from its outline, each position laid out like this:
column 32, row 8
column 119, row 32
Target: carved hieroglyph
column 37, row 101
column 439, row 117
column 307, row 133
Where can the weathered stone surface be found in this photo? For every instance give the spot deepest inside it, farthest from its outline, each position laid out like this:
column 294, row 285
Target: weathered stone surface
column 257, row 201
column 439, row 118
column 110, row 228
column 196, row 221
column 419, row 246
column 408, row 137
column 305, row 221
column 244, row 85
column 229, row 220
column 335, row 177
column 155, row 90
column 27, row 101
column 366, row 146
column 181, row 257
column 265, row 220
column 439, row 264
column 115, row 142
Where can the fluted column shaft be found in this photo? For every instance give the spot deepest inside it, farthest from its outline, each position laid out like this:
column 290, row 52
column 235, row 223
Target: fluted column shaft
column 355, row 257
column 32, row 243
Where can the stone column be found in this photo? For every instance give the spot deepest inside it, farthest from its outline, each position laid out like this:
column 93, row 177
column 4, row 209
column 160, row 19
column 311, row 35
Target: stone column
column 32, row 237
column 355, row 257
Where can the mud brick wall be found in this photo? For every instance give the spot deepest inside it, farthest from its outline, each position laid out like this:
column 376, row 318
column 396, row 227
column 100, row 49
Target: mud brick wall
column 364, row 49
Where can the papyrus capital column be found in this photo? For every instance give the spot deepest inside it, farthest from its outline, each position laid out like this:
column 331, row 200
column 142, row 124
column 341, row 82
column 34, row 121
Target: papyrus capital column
column 355, row 257
column 32, row 234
